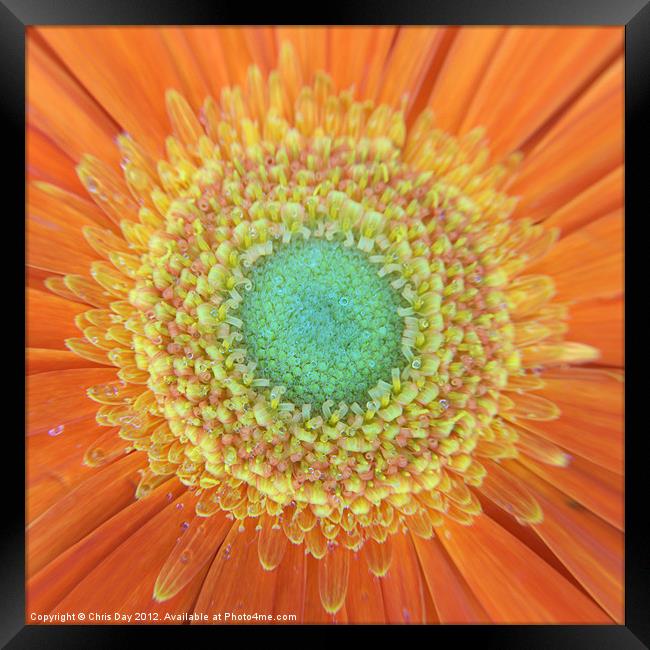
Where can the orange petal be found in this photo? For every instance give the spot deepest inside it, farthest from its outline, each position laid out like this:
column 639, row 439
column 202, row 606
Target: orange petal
column 510, row 494
column 529, row 406
column 461, row 74
column 108, row 189
column 124, row 580
column 333, row 573
column 591, row 425
column 587, row 388
column 36, row 278
column 64, row 208
column 364, row 603
column 272, row 543
column 512, row 583
column 194, row 84
column 59, row 106
column 47, row 588
column 379, row 556
column 540, row 449
column 310, row 45
column 52, row 249
column 210, row 55
column 82, row 510
column 590, row 485
column 350, row 54
column 597, row 200
column 262, row 45
column 313, row 610
column 45, row 281
column 453, row 599
column 227, row 587
column 119, row 75
column 599, row 323
column 46, row 360
column 421, row 92
column 526, row 294
column 105, row 449
column 54, row 239
column 290, row 599
column 54, row 463
column 368, row 51
column 185, row 124
column 553, row 354
column 50, row 319
column 87, row 290
column 538, row 86
column 584, row 146
column 592, row 435
column 59, row 398
column 46, row 162
column 589, row 262
column 233, row 39
column 316, row 542
column 410, row 62
column 87, row 350
column 529, row 332
column 403, row 587
column 196, row 548
column 591, row 549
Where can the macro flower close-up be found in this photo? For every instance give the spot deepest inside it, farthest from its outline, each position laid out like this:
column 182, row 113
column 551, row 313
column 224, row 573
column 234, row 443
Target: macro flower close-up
column 325, row 324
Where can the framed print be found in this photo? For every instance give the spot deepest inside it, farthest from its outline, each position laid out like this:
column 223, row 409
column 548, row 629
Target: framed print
column 325, row 323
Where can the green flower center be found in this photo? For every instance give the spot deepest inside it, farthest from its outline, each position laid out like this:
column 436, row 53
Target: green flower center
column 320, row 321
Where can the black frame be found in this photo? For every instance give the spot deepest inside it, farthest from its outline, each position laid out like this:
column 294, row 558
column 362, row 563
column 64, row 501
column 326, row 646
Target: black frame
column 634, row 15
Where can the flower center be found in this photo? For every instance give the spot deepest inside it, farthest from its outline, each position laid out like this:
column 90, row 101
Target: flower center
column 321, row 321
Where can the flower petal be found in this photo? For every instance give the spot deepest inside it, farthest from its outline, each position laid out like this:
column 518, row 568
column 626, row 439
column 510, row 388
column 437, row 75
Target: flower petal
column 118, row 75
column 416, row 55
column 310, row 45
column 403, row 587
column 48, row 163
column 46, row 360
column 272, row 543
column 512, row 583
column 510, row 494
column 78, row 125
column 194, row 83
column 524, row 86
column 529, row 406
column 80, row 511
column 196, row 548
column 59, row 398
column 588, row 263
column 333, row 573
column 236, row 567
column 600, row 323
column 290, row 599
column 379, row 556
column 364, row 602
column 54, row 463
column 461, row 74
column 48, row 587
column 597, row 200
column 452, row 597
column 582, row 147
column 590, row 485
column 50, row 319
column 141, row 554
column 591, row 549
column 314, row 611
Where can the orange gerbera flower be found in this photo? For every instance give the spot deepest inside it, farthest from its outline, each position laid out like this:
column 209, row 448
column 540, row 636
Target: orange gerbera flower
column 314, row 355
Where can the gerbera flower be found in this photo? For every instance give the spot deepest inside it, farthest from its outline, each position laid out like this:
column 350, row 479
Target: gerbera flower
column 341, row 339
